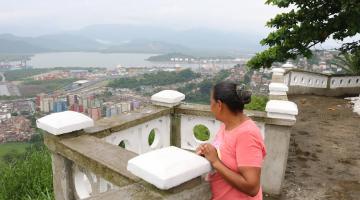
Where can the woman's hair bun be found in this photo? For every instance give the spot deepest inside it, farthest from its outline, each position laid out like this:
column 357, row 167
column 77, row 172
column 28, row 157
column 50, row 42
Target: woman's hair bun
column 244, row 95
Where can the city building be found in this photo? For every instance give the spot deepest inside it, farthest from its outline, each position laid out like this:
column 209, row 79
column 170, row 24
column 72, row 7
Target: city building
column 60, row 106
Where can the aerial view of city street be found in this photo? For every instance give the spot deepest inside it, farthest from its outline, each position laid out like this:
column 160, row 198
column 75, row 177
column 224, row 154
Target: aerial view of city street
column 108, row 61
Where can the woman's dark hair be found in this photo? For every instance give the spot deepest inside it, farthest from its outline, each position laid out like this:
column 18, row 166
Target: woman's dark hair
column 233, row 95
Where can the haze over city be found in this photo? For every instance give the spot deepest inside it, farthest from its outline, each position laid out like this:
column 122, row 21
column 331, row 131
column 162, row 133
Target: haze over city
column 36, row 17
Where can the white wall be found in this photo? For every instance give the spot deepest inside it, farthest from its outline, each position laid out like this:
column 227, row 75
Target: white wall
column 345, row 81
column 308, row 80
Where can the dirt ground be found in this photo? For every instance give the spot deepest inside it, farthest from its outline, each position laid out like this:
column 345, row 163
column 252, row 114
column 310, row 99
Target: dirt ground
column 324, row 154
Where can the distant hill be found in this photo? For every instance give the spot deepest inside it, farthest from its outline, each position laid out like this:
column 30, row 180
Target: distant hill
column 197, row 39
column 136, row 39
column 143, row 46
column 66, row 42
column 47, row 43
column 18, row 47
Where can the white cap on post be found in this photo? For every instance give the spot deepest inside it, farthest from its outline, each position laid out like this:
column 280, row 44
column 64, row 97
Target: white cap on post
column 278, row 71
column 288, row 65
column 64, row 122
column 278, row 89
column 168, row 98
column 168, row 167
column 281, row 109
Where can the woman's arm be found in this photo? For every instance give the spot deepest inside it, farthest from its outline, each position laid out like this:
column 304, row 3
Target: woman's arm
column 247, row 179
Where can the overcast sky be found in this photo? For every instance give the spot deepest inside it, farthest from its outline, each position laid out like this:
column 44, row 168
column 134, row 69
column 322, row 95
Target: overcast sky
column 36, row 17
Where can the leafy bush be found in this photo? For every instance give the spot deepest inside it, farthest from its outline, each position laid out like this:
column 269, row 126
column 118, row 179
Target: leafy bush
column 159, row 78
column 257, row 103
column 29, row 177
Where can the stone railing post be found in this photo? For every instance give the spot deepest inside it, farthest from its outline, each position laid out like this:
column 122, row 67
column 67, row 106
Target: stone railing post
column 171, row 98
column 55, row 125
column 277, row 86
column 281, row 117
column 357, row 106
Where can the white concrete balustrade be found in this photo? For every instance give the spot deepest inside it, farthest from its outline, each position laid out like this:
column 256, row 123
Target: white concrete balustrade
column 88, row 184
column 136, row 138
column 176, row 124
column 188, row 123
column 344, row 82
column 306, row 80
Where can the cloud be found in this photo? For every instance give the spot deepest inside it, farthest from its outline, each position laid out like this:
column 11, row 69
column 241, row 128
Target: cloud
column 227, row 15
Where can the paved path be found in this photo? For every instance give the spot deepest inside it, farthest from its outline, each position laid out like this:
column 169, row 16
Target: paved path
column 324, row 156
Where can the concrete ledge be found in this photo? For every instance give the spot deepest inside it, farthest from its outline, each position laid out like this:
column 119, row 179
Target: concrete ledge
column 204, row 110
column 106, row 126
column 133, row 191
column 104, row 159
column 352, row 91
column 316, row 73
column 138, row 191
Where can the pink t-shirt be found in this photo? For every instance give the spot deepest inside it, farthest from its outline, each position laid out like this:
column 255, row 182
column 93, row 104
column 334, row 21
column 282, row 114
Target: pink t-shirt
column 241, row 146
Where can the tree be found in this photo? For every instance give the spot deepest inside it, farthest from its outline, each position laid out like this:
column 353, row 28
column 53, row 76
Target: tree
column 349, row 62
column 307, row 24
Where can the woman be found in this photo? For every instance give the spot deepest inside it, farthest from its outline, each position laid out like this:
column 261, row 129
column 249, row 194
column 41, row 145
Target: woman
column 238, row 150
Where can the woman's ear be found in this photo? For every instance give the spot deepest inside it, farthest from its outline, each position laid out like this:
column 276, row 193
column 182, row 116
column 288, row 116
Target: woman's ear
column 220, row 105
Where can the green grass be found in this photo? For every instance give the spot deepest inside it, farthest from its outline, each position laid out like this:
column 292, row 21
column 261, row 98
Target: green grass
column 257, row 103
column 13, row 147
column 50, row 85
column 201, row 132
column 152, row 79
column 29, row 177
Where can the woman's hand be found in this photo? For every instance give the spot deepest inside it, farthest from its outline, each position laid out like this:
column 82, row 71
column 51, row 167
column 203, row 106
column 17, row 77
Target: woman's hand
column 209, row 151
column 198, row 150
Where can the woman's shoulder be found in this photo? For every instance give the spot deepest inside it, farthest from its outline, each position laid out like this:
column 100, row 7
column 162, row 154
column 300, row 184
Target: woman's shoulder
column 249, row 129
